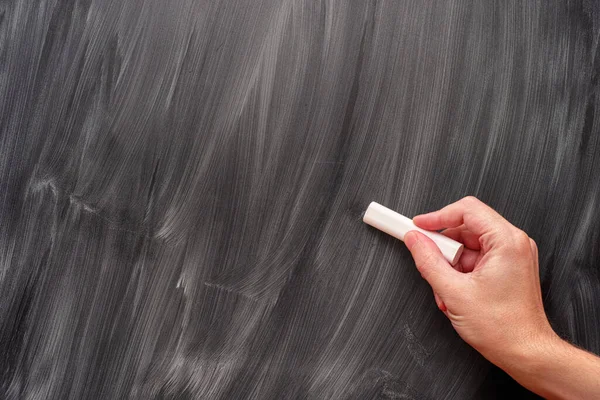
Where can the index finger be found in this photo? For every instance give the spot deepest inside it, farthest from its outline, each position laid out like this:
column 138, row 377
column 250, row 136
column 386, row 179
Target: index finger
column 477, row 217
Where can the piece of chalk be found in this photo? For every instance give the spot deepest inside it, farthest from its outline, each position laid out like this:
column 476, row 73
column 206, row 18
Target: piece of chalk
column 398, row 225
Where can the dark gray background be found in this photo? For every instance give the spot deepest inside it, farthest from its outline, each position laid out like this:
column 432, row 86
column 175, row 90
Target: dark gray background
column 182, row 184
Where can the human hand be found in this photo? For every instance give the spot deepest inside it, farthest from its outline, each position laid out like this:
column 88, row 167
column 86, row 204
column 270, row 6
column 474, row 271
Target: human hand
column 492, row 296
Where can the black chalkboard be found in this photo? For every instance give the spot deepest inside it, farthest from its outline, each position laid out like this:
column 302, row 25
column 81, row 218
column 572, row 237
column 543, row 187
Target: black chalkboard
column 182, row 185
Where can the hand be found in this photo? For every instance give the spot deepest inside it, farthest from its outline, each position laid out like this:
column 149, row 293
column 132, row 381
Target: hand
column 492, row 296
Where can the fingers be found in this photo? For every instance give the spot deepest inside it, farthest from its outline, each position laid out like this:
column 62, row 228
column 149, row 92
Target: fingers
column 471, row 253
column 478, row 217
column 463, row 235
column 468, row 260
column 431, row 264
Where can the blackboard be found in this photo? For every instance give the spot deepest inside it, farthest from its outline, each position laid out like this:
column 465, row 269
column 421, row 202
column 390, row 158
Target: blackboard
column 182, row 185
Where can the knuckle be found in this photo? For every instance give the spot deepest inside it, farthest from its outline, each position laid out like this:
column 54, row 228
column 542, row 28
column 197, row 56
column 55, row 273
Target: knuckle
column 533, row 243
column 521, row 239
column 445, row 219
column 470, row 200
column 482, row 241
column 425, row 264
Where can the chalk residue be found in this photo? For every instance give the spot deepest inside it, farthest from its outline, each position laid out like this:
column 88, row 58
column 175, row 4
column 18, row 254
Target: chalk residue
column 180, row 186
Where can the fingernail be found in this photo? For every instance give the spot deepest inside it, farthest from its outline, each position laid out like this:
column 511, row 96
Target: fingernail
column 410, row 239
column 442, row 307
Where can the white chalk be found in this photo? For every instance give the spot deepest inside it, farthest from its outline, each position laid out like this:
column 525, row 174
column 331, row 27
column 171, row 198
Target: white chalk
column 398, row 225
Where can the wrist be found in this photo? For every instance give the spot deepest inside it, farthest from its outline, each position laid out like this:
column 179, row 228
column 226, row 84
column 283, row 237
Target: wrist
column 553, row 368
column 528, row 354
column 536, row 360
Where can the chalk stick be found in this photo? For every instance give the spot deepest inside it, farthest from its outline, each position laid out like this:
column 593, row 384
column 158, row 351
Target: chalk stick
column 397, row 225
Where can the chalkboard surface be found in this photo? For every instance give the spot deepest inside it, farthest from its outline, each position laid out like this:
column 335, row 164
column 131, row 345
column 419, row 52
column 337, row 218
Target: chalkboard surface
column 182, row 184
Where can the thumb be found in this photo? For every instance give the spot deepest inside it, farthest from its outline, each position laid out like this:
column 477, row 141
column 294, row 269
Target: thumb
column 431, row 263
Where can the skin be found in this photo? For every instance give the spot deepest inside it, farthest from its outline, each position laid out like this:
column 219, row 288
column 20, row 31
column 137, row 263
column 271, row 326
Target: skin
column 493, row 299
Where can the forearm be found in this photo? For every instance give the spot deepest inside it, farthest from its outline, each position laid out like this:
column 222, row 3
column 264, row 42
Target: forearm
column 495, row 304
column 556, row 369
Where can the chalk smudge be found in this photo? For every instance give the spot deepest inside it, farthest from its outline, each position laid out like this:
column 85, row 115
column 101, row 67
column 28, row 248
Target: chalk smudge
column 181, row 186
